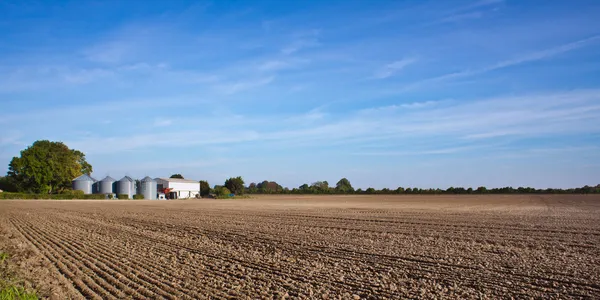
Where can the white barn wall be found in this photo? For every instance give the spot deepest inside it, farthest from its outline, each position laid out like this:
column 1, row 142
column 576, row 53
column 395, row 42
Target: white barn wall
column 183, row 189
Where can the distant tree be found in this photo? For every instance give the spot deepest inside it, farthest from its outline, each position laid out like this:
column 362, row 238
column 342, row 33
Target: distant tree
column 269, row 187
column 370, row 191
column 252, row 189
column 204, row 188
column 177, row 176
column 481, row 190
column 400, row 190
column 320, row 187
column 344, row 187
column 235, row 185
column 304, row 188
column 47, row 167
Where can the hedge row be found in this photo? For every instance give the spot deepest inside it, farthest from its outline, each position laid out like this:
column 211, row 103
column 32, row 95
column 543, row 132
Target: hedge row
column 67, row 196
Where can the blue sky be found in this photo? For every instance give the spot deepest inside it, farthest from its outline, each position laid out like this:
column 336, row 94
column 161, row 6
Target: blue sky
column 386, row 93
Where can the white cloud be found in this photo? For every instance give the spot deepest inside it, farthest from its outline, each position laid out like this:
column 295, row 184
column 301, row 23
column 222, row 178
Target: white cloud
column 392, row 68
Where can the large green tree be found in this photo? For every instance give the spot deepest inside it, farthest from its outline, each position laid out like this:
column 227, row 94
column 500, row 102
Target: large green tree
column 47, row 167
column 179, row 176
column 235, row 185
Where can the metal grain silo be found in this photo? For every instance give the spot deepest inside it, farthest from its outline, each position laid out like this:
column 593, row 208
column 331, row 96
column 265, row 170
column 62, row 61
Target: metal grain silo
column 148, row 188
column 107, row 185
column 126, row 186
column 84, row 183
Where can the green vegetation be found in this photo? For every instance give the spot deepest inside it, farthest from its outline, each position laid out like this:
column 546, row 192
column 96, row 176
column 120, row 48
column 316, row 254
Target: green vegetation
column 123, row 196
column 12, row 291
column 7, row 196
column 222, row 192
column 10, row 288
column 235, row 185
column 7, row 185
column 138, row 197
column 343, row 186
column 177, row 176
column 204, row 188
column 46, row 167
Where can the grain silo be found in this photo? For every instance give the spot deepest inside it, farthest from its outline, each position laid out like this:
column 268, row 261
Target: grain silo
column 107, row 185
column 84, row 183
column 148, row 188
column 126, row 186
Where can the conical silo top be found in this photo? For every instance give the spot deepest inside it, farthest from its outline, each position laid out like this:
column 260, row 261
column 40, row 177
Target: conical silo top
column 108, row 179
column 84, row 177
column 147, row 179
column 126, row 179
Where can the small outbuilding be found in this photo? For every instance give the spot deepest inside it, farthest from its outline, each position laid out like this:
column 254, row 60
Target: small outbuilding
column 176, row 188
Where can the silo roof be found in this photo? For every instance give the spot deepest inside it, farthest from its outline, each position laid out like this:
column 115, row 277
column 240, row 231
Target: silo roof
column 147, row 178
column 126, row 178
column 108, row 178
column 84, row 177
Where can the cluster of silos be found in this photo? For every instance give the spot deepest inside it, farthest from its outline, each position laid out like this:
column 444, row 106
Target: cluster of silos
column 109, row 185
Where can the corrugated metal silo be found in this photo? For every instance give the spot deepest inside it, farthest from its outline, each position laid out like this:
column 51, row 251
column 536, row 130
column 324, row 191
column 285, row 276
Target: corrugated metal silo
column 107, row 185
column 148, row 188
column 84, row 183
column 126, row 186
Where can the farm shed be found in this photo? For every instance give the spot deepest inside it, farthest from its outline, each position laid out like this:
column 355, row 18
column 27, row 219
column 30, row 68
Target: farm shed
column 178, row 188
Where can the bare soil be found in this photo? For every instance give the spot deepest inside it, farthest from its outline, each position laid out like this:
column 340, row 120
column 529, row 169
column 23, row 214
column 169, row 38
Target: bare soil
column 336, row 247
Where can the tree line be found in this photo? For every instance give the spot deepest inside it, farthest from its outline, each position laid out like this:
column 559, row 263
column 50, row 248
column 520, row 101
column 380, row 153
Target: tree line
column 344, row 187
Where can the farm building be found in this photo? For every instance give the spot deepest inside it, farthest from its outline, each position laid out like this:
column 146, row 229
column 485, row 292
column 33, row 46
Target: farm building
column 175, row 188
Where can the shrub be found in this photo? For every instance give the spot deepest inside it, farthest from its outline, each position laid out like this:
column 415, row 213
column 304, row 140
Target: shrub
column 76, row 193
column 93, row 196
column 123, row 196
column 69, row 196
column 138, row 197
column 222, row 192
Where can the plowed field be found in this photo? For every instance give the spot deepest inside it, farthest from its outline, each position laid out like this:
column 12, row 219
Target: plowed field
column 311, row 247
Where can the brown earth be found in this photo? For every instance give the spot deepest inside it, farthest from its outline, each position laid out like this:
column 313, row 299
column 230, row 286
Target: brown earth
column 344, row 247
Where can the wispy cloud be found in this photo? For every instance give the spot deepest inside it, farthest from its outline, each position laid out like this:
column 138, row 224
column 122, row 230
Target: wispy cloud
column 302, row 40
column 478, row 4
column 392, row 68
column 460, row 17
column 475, row 122
column 243, row 85
column 162, row 122
column 531, row 57
column 110, row 52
